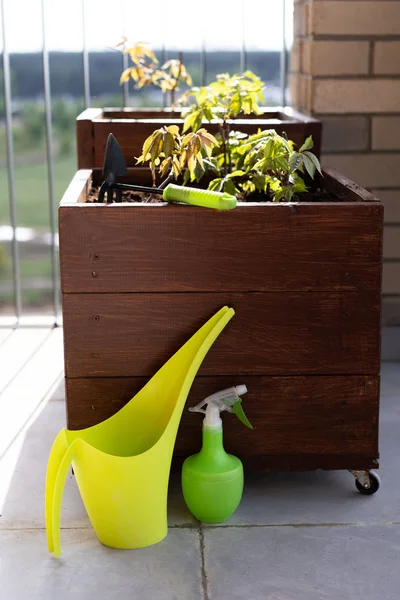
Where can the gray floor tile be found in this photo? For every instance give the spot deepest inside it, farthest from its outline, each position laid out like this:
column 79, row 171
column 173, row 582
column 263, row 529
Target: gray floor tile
column 303, row 563
column 24, row 498
column 87, row 570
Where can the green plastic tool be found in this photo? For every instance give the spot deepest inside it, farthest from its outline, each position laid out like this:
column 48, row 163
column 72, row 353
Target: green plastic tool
column 115, row 166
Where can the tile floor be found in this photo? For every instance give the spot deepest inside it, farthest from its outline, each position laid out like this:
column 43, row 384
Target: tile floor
column 302, row 536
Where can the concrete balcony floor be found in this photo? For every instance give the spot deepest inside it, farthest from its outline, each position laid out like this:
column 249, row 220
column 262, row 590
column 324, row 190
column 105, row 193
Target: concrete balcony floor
column 299, row 536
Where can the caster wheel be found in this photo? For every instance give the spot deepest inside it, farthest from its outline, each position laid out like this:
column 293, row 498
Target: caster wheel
column 374, row 485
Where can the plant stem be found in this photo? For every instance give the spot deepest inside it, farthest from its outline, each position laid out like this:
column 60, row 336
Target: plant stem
column 222, row 129
column 172, row 91
column 167, row 180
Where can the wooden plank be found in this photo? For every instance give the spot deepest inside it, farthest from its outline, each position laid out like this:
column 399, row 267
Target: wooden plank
column 272, row 333
column 16, row 351
column 21, row 398
column 78, row 189
column 268, row 247
column 304, row 416
column 84, row 137
column 338, row 183
column 297, row 462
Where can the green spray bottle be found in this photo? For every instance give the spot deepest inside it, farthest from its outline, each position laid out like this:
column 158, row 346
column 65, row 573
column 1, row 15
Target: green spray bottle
column 212, row 480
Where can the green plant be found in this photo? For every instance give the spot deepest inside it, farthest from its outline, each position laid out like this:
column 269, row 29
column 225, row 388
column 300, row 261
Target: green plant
column 266, row 162
column 223, row 100
column 145, row 71
column 173, row 153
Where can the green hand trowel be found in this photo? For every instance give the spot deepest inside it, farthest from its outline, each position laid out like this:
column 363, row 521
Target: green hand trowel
column 115, row 166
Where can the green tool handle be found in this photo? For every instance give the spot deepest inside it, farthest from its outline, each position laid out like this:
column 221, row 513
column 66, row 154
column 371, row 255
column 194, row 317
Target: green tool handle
column 206, row 198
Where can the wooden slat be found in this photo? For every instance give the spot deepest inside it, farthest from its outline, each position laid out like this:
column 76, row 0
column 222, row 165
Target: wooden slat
column 84, row 137
column 291, row 415
column 337, row 183
column 125, row 248
column 271, row 333
column 78, row 189
column 16, row 351
column 24, row 394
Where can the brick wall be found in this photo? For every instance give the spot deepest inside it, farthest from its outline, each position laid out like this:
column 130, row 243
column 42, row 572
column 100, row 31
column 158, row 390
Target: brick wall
column 345, row 69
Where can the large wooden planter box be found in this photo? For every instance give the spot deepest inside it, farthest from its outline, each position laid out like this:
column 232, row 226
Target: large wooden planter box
column 305, row 281
column 132, row 126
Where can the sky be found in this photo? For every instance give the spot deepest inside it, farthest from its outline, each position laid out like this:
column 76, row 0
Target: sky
column 178, row 24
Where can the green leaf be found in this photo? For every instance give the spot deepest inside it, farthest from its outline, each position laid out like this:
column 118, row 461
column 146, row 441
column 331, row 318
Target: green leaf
column 295, row 161
column 216, row 184
column 308, row 144
column 315, row 160
column 237, row 173
column 260, row 181
column 309, row 166
column 191, row 120
column 229, row 186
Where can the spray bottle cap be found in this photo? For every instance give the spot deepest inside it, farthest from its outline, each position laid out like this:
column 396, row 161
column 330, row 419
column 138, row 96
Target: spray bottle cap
column 229, row 400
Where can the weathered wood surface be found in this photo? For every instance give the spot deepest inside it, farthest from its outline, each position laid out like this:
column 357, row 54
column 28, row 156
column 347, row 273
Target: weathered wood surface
column 290, row 415
column 132, row 126
column 85, row 137
column 160, row 248
column 272, row 333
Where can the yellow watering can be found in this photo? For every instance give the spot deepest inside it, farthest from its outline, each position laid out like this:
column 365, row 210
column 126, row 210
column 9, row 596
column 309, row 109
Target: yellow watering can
column 122, row 465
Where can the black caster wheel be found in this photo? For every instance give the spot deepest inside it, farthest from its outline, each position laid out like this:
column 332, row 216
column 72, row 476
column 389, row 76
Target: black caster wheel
column 374, row 485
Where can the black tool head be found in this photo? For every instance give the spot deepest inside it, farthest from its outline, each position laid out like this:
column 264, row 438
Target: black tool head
column 114, row 165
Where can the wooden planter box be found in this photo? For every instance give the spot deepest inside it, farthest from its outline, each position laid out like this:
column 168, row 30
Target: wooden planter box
column 132, row 126
column 305, row 281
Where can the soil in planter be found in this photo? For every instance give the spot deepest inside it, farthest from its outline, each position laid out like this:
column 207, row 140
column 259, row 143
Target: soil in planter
column 143, row 197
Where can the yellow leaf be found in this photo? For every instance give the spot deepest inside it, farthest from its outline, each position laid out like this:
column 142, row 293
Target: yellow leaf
column 147, row 143
column 174, row 129
column 177, row 168
column 200, row 160
column 125, row 75
column 168, row 143
column 192, row 164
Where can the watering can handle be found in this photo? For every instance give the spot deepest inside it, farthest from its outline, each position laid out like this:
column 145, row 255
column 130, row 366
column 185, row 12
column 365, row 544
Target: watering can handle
column 55, row 482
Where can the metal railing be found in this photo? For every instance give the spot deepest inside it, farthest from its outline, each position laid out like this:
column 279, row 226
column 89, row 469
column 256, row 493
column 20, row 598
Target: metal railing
column 18, row 318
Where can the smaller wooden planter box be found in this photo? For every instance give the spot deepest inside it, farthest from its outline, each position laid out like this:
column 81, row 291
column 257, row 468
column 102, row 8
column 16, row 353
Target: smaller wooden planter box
column 305, row 281
column 132, row 126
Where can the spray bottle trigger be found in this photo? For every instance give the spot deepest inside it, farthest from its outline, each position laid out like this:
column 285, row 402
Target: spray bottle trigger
column 237, row 409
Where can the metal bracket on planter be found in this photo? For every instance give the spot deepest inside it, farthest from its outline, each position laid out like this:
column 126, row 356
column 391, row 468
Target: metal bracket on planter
column 362, row 477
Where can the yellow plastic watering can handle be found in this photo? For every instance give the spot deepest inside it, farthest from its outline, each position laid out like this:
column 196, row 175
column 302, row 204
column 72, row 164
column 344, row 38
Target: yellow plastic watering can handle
column 57, row 453
column 60, row 462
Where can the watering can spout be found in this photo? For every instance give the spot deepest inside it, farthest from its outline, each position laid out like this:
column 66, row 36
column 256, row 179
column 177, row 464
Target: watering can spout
column 122, row 465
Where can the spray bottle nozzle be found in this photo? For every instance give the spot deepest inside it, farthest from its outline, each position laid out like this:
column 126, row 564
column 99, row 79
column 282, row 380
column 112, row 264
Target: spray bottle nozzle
column 229, row 400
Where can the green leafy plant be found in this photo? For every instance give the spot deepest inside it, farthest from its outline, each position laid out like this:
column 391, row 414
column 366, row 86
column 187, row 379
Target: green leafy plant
column 222, row 100
column 173, row 153
column 146, row 72
column 265, row 163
